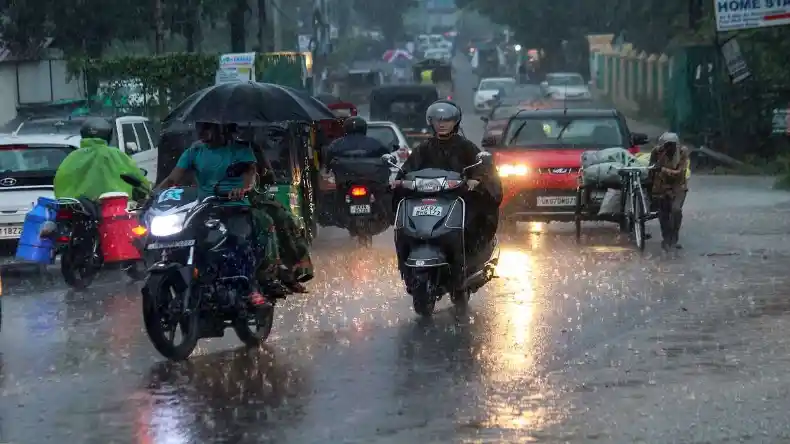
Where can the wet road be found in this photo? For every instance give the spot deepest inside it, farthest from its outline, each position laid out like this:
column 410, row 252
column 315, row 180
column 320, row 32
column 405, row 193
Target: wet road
column 573, row 343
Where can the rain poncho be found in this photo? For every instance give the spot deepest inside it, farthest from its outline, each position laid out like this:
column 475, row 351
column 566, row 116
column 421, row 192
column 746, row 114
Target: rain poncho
column 95, row 169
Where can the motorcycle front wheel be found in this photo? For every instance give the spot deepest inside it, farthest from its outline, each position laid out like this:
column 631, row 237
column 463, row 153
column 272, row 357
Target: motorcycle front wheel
column 163, row 314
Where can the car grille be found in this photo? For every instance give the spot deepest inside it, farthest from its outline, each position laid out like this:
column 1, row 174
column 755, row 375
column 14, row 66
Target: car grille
column 558, row 170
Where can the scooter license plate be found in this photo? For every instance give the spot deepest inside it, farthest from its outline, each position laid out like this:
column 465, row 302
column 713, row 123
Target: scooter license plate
column 173, row 244
column 359, row 209
column 427, row 210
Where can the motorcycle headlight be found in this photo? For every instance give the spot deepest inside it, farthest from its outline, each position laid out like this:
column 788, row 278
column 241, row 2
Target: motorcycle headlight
column 163, row 226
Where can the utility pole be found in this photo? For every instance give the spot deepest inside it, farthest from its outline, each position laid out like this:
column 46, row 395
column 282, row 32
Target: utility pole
column 159, row 28
column 277, row 26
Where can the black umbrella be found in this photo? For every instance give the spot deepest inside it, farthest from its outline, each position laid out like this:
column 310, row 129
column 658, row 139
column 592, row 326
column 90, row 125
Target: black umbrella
column 249, row 103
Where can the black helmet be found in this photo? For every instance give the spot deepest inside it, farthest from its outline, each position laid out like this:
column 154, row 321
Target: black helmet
column 443, row 111
column 96, row 128
column 355, row 125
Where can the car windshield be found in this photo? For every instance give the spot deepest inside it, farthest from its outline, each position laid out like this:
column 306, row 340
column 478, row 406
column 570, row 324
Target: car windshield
column 50, row 127
column 32, row 159
column 503, row 112
column 490, row 85
column 383, row 134
column 565, row 132
column 565, row 79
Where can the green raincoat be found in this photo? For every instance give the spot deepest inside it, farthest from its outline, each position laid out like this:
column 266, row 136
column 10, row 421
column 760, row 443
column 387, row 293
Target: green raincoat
column 94, row 169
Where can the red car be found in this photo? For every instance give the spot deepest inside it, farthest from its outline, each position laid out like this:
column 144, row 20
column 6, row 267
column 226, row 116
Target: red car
column 496, row 123
column 539, row 158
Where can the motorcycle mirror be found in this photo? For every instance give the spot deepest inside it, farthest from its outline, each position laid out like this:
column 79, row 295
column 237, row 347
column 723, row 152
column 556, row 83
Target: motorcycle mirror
column 484, row 157
column 144, row 171
column 390, row 159
column 131, row 180
column 237, row 169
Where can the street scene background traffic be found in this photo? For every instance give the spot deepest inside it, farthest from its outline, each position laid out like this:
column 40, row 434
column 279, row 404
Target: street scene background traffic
column 574, row 341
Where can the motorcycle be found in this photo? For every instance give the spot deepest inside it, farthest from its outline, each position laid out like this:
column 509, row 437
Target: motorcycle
column 78, row 242
column 431, row 241
column 200, row 280
column 364, row 203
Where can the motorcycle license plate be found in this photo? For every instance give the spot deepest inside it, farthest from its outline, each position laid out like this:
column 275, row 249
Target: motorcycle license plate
column 427, row 210
column 173, row 244
column 359, row 209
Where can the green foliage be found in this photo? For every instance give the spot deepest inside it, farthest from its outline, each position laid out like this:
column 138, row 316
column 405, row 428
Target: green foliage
column 154, row 85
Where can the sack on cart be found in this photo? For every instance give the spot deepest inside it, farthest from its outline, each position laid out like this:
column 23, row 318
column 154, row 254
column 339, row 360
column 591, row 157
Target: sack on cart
column 611, row 203
column 608, row 155
column 602, row 175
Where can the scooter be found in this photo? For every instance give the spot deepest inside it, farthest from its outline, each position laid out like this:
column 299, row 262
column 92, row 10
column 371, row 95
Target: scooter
column 431, row 240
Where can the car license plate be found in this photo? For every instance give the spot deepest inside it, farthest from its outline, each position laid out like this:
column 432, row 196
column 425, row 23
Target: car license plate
column 359, row 209
column 556, row 201
column 10, row 231
column 427, row 210
column 174, row 244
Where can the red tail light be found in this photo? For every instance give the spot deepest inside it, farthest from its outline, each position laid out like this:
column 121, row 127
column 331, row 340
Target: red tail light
column 358, row 191
column 63, row 239
column 64, row 214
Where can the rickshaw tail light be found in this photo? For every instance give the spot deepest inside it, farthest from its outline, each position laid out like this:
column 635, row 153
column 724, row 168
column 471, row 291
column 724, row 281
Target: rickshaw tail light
column 139, row 231
column 63, row 239
column 359, row 191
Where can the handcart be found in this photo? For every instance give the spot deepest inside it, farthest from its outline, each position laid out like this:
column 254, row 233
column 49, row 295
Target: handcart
column 636, row 207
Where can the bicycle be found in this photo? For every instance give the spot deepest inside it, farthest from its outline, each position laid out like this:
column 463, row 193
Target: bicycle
column 636, row 209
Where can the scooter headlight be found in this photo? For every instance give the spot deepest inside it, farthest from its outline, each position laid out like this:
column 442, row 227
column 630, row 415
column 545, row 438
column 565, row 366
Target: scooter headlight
column 163, row 226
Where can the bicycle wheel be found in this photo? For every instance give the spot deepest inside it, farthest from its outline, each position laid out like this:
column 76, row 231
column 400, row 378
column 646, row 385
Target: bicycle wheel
column 638, row 219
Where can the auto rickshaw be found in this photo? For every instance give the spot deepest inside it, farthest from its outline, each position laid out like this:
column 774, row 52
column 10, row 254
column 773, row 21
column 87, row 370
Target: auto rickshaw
column 404, row 105
column 441, row 76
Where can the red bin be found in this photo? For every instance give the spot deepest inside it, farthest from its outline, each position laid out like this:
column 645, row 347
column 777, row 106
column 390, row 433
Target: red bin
column 115, row 228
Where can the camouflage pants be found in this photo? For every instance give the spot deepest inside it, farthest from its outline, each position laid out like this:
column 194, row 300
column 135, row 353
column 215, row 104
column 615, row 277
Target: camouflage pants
column 287, row 244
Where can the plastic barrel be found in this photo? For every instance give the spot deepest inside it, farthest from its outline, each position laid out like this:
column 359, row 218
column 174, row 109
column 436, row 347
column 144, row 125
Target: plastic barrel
column 115, row 228
column 32, row 247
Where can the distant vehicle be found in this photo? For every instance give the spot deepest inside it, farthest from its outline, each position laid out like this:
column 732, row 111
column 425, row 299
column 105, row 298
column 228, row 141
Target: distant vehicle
column 488, row 90
column 566, row 86
column 390, row 135
column 440, row 54
column 539, row 158
column 496, row 123
column 133, row 134
column 521, row 94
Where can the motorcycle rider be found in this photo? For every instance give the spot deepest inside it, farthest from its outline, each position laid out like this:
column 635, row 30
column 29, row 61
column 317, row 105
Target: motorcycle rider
column 96, row 167
column 208, row 160
column 448, row 150
column 356, row 142
column 670, row 186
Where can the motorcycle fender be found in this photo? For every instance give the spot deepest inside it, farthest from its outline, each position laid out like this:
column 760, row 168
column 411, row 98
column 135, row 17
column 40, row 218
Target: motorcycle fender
column 426, row 256
column 181, row 275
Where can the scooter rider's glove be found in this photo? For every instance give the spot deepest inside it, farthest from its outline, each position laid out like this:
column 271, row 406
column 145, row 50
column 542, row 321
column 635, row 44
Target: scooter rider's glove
column 472, row 184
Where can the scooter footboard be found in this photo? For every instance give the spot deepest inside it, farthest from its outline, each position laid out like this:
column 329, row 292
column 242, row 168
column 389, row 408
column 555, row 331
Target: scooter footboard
column 426, row 256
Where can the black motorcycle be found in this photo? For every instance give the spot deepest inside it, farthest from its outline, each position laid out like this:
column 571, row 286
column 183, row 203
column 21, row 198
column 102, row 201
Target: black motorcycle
column 431, row 242
column 77, row 241
column 364, row 204
column 200, row 281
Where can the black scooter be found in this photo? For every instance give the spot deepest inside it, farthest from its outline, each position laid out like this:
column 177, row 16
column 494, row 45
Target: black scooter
column 431, row 240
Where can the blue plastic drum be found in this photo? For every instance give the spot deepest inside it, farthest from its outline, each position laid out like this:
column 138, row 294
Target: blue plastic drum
column 32, row 247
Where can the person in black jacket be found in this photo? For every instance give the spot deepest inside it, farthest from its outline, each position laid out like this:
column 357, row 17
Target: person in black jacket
column 448, row 150
column 356, row 142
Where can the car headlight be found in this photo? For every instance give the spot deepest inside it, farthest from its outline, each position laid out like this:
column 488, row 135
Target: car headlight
column 163, row 226
column 513, row 170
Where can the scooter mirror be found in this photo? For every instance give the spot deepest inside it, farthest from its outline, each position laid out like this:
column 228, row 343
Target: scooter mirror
column 389, row 158
column 484, row 157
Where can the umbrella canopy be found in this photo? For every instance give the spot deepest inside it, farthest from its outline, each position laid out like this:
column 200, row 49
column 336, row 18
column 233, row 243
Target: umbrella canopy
column 395, row 54
column 249, row 103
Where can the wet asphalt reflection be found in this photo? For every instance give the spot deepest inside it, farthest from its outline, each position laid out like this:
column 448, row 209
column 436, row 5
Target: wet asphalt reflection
column 574, row 342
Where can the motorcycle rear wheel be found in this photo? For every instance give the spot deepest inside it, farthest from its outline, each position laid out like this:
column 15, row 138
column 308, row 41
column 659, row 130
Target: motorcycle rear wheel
column 263, row 320
column 157, row 297
column 77, row 270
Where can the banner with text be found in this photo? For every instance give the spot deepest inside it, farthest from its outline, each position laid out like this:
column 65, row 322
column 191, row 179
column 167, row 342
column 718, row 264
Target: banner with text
column 733, row 15
column 234, row 68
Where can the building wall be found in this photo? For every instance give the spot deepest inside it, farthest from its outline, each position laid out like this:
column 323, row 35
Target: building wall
column 41, row 81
